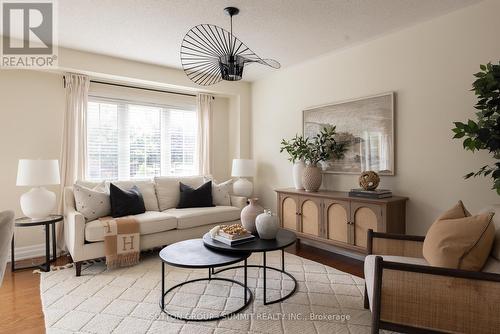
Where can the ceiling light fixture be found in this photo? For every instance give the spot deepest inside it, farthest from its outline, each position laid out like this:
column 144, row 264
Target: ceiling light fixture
column 210, row 54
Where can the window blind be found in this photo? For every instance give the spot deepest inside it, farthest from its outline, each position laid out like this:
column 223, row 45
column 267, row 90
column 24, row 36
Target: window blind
column 136, row 140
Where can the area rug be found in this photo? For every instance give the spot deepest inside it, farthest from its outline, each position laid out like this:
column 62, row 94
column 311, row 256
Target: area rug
column 126, row 300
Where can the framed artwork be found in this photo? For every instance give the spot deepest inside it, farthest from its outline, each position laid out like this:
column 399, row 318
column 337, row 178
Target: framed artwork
column 366, row 124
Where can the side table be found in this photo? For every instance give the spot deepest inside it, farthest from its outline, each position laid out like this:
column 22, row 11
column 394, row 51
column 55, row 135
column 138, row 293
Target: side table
column 50, row 224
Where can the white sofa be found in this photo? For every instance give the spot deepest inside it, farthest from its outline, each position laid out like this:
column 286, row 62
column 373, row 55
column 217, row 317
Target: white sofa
column 160, row 225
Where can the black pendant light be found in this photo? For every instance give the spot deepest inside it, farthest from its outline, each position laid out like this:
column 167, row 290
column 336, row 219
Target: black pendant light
column 210, row 54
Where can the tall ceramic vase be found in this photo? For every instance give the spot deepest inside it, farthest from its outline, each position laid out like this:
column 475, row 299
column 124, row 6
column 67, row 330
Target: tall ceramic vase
column 298, row 170
column 249, row 213
column 311, row 178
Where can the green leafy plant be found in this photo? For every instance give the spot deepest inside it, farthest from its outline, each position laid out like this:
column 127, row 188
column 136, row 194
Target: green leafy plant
column 324, row 146
column 484, row 132
column 295, row 147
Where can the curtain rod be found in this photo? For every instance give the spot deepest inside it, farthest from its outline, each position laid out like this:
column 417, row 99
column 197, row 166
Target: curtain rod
column 143, row 88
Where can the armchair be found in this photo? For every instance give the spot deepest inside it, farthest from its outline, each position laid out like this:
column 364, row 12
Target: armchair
column 6, row 231
column 405, row 294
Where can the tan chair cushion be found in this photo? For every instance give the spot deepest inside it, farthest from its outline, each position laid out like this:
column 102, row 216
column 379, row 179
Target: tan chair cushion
column 193, row 217
column 149, row 222
column 458, row 240
column 492, row 266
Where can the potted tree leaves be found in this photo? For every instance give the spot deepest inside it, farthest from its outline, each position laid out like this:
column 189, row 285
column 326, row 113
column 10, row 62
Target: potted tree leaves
column 483, row 133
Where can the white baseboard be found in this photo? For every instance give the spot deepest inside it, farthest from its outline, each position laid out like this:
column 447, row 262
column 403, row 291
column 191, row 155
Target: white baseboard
column 28, row 252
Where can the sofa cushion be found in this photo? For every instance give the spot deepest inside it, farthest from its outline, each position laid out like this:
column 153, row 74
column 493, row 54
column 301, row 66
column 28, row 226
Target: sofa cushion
column 147, row 189
column 370, row 269
column 125, row 202
column 149, row 222
column 192, row 217
column 221, row 192
column 459, row 241
column 167, row 189
column 195, row 198
column 91, row 203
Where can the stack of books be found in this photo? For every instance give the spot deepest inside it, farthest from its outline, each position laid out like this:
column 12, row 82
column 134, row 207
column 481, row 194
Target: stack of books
column 377, row 193
column 233, row 235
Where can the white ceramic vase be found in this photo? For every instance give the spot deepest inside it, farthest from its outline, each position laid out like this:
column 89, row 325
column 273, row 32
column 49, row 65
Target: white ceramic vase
column 249, row 213
column 298, row 170
column 267, row 225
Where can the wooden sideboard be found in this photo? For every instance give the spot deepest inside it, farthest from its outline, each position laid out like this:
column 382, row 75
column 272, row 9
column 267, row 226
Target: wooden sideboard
column 334, row 218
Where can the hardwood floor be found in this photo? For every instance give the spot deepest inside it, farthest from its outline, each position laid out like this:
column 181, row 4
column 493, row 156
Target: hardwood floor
column 340, row 262
column 21, row 307
column 20, row 303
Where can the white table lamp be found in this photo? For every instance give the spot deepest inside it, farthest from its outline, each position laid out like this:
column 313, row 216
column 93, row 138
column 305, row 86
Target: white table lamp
column 243, row 168
column 38, row 202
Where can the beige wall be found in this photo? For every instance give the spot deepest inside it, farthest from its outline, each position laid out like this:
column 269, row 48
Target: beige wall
column 31, row 116
column 430, row 68
column 32, row 106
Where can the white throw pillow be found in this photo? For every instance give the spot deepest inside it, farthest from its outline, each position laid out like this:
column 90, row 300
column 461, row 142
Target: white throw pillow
column 221, row 192
column 92, row 203
column 147, row 189
column 168, row 191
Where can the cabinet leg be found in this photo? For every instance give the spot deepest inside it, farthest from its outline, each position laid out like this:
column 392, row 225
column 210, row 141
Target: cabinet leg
column 78, row 268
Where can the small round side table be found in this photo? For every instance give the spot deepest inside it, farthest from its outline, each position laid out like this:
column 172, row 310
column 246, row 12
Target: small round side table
column 48, row 222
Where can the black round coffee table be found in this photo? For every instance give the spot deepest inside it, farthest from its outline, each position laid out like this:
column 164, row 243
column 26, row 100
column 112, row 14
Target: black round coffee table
column 283, row 239
column 193, row 254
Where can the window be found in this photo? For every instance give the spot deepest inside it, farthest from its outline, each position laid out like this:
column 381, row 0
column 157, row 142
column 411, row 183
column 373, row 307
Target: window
column 131, row 140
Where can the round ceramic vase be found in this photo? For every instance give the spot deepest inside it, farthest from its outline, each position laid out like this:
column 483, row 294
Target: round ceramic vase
column 267, row 225
column 249, row 213
column 312, row 178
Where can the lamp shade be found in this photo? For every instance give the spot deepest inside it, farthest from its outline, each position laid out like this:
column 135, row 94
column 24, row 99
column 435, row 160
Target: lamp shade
column 37, row 172
column 243, row 168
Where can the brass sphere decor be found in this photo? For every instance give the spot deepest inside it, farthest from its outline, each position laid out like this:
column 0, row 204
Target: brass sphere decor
column 369, row 180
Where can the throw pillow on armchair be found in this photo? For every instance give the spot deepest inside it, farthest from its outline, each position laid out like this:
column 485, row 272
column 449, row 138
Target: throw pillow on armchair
column 459, row 240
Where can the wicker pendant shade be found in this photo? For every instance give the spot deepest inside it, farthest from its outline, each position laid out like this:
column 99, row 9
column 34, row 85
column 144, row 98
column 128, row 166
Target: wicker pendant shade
column 210, row 54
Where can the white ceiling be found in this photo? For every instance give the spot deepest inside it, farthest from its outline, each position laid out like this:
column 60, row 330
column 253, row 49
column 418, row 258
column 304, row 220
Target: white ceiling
column 290, row 31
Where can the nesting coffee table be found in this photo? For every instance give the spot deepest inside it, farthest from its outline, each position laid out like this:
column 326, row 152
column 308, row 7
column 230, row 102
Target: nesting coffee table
column 283, row 239
column 193, row 254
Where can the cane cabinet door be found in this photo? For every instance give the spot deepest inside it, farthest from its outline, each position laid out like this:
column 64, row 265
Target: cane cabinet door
column 337, row 217
column 364, row 216
column 289, row 211
column 310, row 215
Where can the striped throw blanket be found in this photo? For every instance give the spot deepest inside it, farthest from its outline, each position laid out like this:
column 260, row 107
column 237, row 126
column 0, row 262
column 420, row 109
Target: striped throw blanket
column 121, row 241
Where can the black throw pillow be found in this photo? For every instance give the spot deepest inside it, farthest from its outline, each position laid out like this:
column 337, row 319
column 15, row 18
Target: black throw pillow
column 195, row 198
column 125, row 202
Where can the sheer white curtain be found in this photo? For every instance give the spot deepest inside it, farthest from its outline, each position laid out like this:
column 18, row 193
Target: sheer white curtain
column 74, row 136
column 205, row 154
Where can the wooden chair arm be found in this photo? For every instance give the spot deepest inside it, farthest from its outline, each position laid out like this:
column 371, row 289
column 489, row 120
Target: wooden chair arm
column 394, row 244
column 408, row 296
